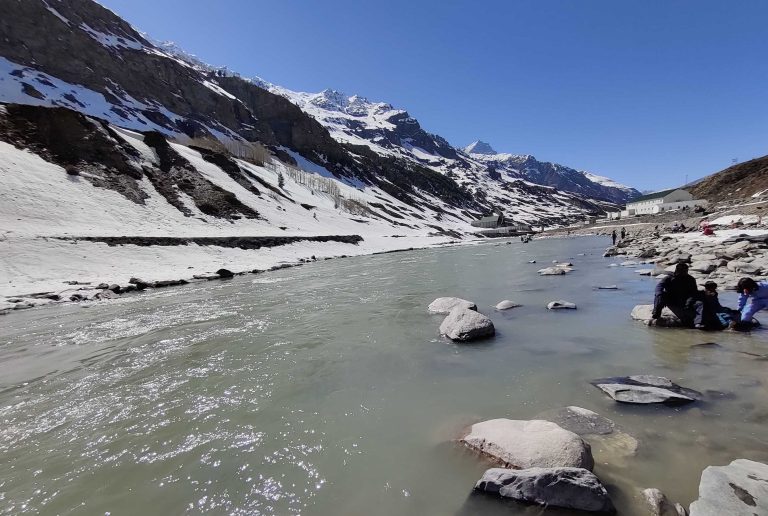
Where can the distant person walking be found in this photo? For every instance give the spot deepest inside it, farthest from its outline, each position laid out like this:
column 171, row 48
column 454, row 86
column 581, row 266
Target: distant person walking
column 613, row 237
column 623, row 233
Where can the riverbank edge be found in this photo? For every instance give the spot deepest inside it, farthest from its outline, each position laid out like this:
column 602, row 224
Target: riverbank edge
column 78, row 292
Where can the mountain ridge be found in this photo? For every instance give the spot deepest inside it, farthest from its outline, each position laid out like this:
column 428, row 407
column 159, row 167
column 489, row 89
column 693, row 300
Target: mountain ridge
column 82, row 56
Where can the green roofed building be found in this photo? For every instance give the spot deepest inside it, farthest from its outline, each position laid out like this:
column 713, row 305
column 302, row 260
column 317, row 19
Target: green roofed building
column 491, row 221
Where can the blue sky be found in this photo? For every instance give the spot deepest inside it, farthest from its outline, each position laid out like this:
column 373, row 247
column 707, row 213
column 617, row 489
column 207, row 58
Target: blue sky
column 645, row 92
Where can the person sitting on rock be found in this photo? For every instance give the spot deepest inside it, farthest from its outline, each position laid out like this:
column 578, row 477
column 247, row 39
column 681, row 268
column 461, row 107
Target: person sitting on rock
column 678, row 292
column 753, row 297
column 710, row 314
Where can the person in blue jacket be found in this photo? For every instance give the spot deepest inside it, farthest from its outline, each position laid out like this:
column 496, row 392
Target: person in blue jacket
column 753, row 297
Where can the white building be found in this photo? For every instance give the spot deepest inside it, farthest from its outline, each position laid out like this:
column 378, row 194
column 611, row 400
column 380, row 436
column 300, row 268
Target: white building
column 659, row 202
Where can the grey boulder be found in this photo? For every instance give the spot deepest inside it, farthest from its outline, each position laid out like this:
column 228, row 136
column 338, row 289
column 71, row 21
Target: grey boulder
column 646, row 389
column 740, row 488
column 463, row 325
column 528, row 444
column 570, row 488
column 742, row 267
column 506, row 305
column 552, row 271
column 444, row 305
column 644, row 312
column 561, row 305
column 704, row 266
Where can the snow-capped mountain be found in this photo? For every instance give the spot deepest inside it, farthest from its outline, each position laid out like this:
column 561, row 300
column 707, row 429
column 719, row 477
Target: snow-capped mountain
column 81, row 56
column 393, row 132
column 551, row 174
column 479, row 147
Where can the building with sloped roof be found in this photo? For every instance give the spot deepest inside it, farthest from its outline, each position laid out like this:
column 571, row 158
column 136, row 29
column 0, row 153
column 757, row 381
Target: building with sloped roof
column 491, row 221
column 659, row 202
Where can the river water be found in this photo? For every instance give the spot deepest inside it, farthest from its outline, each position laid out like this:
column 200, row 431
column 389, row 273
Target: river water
column 326, row 389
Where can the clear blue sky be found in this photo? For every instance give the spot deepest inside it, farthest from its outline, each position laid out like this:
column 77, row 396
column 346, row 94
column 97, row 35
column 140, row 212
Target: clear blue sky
column 645, row 92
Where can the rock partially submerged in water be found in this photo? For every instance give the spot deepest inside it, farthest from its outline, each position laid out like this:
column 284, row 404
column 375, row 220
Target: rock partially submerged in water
column 579, row 420
column 740, row 488
column 606, row 438
column 570, row 488
column 552, row 271
column 506, row 305
column 607, row 287
column 646, row 389
column 444, row 305
column 660, row 506
column 667, row 319
column 561, row 305
column 528, row 444
column 464, row 325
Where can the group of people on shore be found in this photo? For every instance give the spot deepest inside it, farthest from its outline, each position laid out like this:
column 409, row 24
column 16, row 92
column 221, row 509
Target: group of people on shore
column 623, row 235
column 701, row 309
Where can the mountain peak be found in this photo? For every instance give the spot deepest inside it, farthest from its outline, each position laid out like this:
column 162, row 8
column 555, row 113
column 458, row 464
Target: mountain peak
column 479, row 147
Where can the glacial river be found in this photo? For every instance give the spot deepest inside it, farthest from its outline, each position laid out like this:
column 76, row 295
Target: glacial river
column 326, row 389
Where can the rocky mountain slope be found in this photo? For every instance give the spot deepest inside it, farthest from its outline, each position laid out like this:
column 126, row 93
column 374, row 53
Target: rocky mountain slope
column 744, row 180
column 551, row 174
column 393, row 132
column 89, row 202
column 79, row 55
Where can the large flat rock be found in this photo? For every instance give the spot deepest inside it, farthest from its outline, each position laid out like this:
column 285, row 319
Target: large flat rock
column 643, row 313
column 570, row 488
column 528, row 444
column 738, row 489
column 646, row 389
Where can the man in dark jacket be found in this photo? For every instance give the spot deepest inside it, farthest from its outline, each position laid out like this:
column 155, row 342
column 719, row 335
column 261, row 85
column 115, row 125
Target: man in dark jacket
column 678, row 292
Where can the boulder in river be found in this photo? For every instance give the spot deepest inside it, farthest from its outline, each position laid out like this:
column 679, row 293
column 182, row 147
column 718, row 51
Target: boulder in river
column 444, row 305
column 528, row 444
column 552, row 271
column 570, row 488
column 506, row 305
column 225, row 273
column 607, row 287
column 464, row 325
column 561, row 305
column 740, row 488
column 646, row 389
